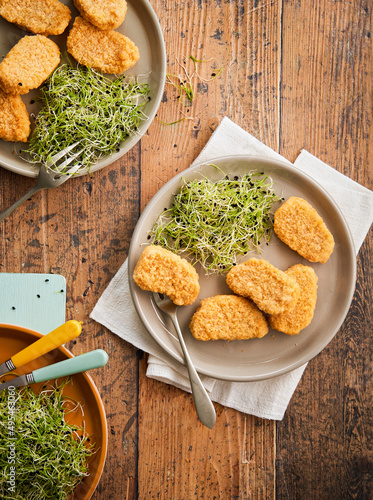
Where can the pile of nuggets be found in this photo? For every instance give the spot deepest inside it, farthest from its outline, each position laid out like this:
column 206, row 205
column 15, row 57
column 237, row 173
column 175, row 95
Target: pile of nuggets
column 263, row 295
column 92, row 41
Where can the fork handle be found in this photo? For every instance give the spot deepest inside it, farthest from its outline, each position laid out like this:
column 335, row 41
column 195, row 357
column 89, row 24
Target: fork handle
column 19, row 202
column 202, row 402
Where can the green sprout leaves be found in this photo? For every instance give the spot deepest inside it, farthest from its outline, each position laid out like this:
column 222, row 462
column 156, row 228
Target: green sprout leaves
column 218, row 221
column 49, row 455
column 82, row 105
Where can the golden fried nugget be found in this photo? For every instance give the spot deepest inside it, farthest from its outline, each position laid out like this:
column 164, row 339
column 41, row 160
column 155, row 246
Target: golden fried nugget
column 104, row 14
column 271, row 289
column 162, row 271
column 28, row 64
column 228, row 317
column 46, row 17
column 300, row 315
column 106, row 51
column 300, row 227
column 14, row 119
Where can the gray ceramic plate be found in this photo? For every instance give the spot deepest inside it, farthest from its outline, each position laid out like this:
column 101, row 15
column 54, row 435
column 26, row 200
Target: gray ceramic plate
column 276, row 353
column 140, row 25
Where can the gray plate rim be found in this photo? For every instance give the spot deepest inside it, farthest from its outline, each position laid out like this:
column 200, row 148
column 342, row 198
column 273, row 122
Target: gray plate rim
column 138, row 295
column 157, row 45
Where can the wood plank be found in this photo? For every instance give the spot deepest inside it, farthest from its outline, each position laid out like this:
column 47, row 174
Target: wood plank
column 326, row 107
column 178, row 458
column 82, row 231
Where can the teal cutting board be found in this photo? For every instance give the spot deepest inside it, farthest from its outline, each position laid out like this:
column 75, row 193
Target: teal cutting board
column 35, row 301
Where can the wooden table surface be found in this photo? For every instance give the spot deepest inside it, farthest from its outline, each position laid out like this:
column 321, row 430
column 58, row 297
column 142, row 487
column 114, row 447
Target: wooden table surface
column 296, row 74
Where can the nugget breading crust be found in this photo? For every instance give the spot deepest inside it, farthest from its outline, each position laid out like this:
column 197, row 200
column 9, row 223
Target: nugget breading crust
column 28, row 64
column 299, row 226
column 14, row 119
column 104, row 14
column 299, row 316
column 162, row 271
column 106, row 51
column 46, row 17
column 271, row 289
column 228, row 317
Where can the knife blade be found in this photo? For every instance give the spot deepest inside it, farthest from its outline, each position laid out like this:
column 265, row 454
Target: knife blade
column 77, row 364
column 16, row 382
column 68, row 331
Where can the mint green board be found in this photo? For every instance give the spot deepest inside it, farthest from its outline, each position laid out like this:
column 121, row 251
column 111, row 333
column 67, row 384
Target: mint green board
column 35, row 301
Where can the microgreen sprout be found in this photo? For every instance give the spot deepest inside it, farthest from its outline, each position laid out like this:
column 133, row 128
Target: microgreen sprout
column 184, row 82
column 218, row 221
column 84, row 106
column 215, row 74
column 49, row 455
column 176, row 121
column 185, row 86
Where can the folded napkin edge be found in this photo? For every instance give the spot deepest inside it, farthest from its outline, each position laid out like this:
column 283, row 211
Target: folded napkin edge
column 278, row 408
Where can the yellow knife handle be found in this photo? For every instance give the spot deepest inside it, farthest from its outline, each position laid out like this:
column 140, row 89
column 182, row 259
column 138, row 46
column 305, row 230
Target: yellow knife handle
column 56, row 338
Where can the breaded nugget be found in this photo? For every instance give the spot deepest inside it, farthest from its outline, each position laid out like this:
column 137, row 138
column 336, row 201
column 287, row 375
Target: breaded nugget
column 271, row 289
column 28, row 64
column 104, row 14
column 46, row 17
column 228, row 317
column 14, row 119
column 300, row 315
column 162, row 271
column 105, row 51
column 299, row 226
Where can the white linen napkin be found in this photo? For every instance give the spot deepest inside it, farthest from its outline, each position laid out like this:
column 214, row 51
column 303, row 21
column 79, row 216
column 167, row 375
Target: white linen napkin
column 268, row 398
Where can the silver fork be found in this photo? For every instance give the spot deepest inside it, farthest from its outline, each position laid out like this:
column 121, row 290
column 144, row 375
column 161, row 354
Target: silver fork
column 204, row 407
column 49, row 178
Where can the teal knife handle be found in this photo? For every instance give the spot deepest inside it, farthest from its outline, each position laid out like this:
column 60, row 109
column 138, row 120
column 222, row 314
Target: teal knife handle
column 78, row 364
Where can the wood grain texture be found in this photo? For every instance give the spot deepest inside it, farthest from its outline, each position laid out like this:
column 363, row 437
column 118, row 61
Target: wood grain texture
column 236, row 458
column 180, row 458
column 82, row 230
column 324, row 444
column 295, row 75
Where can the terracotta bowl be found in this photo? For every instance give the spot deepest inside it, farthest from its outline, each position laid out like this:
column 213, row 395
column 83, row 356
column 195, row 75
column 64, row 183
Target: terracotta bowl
column 80, row 388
